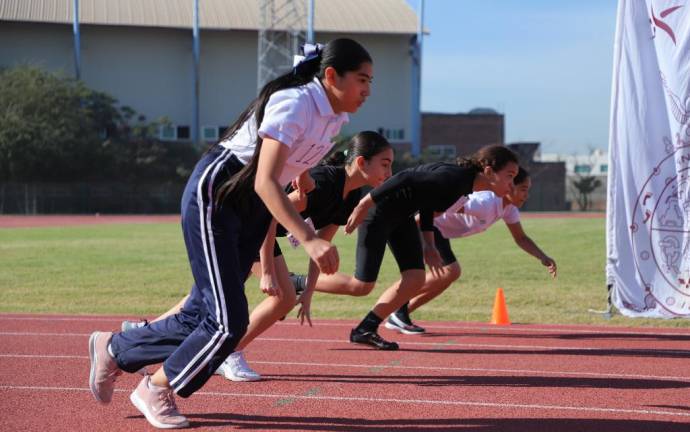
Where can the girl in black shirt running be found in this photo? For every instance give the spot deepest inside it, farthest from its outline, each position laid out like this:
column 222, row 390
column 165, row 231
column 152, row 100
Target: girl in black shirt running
column 387, row 215
column 337, row 191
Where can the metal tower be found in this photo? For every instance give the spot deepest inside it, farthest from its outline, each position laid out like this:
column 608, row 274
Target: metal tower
column 282, row 29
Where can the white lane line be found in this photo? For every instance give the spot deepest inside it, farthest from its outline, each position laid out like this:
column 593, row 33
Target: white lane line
column 440, row 344
column 401, row 367
column 483, row 370
column 389, row 400
column 528, row 328
column 43, row 334
column 43, row 356
column 48, row 318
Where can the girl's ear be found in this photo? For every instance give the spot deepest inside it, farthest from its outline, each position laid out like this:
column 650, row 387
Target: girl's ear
column 488, row 171
column 330, row 75
column 360, row 161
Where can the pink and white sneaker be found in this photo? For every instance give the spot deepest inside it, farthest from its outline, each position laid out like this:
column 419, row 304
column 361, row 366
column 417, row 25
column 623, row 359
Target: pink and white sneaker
column 104, row 370
column 158, row 405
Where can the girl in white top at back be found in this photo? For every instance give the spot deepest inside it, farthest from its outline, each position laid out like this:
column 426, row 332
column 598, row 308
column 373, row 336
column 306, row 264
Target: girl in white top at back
column 467, row 217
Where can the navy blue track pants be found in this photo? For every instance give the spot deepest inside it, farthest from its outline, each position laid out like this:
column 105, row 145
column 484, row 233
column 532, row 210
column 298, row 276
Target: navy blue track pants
column 222, row 243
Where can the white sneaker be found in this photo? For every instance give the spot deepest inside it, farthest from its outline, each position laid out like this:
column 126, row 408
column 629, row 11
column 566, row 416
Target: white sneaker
column 235, row 368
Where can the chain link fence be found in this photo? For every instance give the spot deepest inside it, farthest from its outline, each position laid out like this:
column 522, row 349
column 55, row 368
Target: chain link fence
column 89, row 198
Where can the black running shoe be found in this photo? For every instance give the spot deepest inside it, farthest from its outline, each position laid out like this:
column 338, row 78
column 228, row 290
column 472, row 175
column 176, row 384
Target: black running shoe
column 372, row 339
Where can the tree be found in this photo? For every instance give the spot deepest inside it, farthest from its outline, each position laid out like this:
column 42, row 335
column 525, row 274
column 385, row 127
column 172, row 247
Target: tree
column 56, row 129
column 49, row 126
column 584, row 186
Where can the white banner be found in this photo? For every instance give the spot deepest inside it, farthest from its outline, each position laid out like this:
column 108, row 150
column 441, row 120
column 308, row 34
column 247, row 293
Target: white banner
column 648, row 214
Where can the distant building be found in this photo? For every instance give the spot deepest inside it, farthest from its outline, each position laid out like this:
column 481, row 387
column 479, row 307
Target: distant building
column 447, row 136
column 450, row 135
column 140, row 52
column 595, row 164
column 548, row 191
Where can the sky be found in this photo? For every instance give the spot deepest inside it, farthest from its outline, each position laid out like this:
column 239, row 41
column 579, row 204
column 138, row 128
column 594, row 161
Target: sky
column 546, row 65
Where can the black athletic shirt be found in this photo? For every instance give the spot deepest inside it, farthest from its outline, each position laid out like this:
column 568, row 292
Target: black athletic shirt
column 325, row 204
column 425, row 189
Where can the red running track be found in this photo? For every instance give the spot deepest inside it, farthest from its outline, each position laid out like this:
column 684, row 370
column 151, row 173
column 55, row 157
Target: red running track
column 459, row 376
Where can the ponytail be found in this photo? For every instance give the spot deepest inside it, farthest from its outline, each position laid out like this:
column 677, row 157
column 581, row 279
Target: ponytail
column 343, row 55
column 366, row 144
column 494, row 156
column 336, row 159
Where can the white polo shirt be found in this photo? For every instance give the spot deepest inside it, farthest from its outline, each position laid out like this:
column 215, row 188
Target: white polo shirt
column 481, row 210
column 302, row 119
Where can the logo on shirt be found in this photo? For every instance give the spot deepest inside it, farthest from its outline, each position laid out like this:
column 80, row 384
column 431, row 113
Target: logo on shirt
column 312, row 155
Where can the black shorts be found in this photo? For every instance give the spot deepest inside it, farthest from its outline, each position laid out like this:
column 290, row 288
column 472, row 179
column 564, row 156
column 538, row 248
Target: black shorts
column 276, row 251
column 444, row 249
column 402, row 236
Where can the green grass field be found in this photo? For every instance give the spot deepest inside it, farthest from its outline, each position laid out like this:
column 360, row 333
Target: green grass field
column 141, row 270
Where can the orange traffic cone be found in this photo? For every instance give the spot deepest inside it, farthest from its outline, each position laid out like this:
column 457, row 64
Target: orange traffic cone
column 500, row 315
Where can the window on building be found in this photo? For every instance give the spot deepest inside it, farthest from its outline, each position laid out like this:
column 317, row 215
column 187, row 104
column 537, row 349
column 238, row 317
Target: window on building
column 183, row 132
column 209, row 133
column 604, row 168
column 167, row 132
column 392, row 134
column 222, row 130
column 583, row 169
column 445, row 151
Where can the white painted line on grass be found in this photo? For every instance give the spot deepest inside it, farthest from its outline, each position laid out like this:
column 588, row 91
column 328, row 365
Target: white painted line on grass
column 401, row 367
column 387, row 400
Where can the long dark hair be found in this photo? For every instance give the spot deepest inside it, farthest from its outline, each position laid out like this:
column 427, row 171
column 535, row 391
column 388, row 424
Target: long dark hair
column 366, row 144
column 494, row 156
column 521, row 176
column 343, row 55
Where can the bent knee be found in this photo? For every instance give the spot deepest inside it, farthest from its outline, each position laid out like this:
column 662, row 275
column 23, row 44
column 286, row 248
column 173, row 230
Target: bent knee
column 361, row 289
column 452, row 272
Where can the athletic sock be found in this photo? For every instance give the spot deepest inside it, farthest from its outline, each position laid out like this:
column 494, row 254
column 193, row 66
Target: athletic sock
column 370, row 323
column 404, row 314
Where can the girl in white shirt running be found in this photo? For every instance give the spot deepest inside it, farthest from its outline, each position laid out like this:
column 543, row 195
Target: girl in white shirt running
column 231, row 196
column 473, row 216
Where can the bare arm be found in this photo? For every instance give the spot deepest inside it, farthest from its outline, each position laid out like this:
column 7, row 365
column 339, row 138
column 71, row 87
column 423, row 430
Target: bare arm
column 268, row 284
column 359, row 213
column 304, row 183
column 526, row 244
column 325, row 233
column 431, row 255
column 271, row 161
